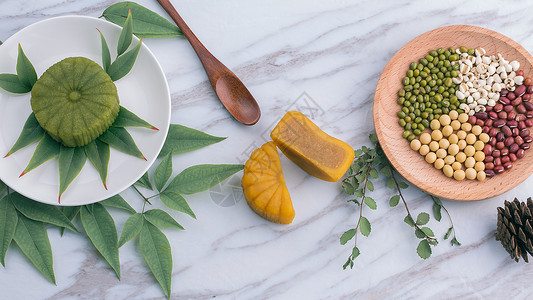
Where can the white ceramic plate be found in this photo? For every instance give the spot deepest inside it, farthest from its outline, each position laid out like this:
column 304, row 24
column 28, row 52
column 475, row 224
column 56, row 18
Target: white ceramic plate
column 143, row 91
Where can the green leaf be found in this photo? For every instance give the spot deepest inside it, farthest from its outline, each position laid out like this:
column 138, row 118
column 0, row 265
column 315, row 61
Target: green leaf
column 32, row 239
column 374, row 173
column 201, row 177
column 348, row 188
column 120, row 139
column 428, row 231
column 117, row 202
column 448, row 233
column 355, row 252
column 146, row 23
column 25, row 70
column 98, row 154
column 126, row 35
column 423, row 249
column 176, row 202
column 71, row 161
column 144, row 181
column 409, row 220
column 364, row 226
column 348, row 235
column 3, row 187
column 31, row 133
column 359, row 193
column 40, row 212
column 106, row 56
column 419, row 234
column 126, row 118
column 161, row 218
column 8, row 224
column 390, row 183
column 131, row 229
column 371, row 203
column 124, row 63
column 437, row 212
column 349, row 262
column 422, row 218
column 12, row 84
column 100, row 229
column 403, row 185
column 70, row 212
column 181, row 139
column 394, row 200
column 373, row 138
column 370, row 185
column 454, row 241
column 47, row 149
column 163, row 171
column 436, row 200
column 155, row 249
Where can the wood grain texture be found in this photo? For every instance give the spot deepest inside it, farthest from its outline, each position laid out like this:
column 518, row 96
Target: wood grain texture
column 409, row 163
column 230, row 90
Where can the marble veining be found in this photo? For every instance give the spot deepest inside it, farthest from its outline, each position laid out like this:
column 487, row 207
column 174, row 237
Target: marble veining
column 324, row 58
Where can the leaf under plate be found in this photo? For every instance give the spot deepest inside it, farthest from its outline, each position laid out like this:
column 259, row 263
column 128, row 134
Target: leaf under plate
column 201, row 177
column 163, row 172
column 32, row 239
column 146, row 23
column 161, row 218
column 8, row 224
column 176, row 202
column 131, row 229
column 181, row 139
column 155, row 249
column 117, row 202
column 41, row 212
column 100, row 229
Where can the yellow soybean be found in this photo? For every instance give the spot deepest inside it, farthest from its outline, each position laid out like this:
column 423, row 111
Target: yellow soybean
column 436, row 135
column 456, row 166
column 466, row 126
column 470, row 173
column 470, row 139
column 470, row 162
column 459, row 175
column 481, row 175
column 424, row 149
column 439, row 163
column 415, row 144
column 461, row 144
column 435, row 124
column 479, row 156
column 434, row 146
column 450, row 159
column 441, row 153
column 477, row 130
column 463, row 118
column 484, row 137
column 461, row 134
column 453, row 149
column 455, row 124
column 431, row 157
column 445, row 120
column 479, row 166
column 444, row 144
column 425, row 138
column 470, row 151
column 460, row 157
column 479, row 145
column 447, row 170
column 447, row 130
column 453, row 115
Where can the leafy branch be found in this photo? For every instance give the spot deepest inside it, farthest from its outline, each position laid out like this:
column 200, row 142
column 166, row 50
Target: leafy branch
column 23, row 220
column 358, row 182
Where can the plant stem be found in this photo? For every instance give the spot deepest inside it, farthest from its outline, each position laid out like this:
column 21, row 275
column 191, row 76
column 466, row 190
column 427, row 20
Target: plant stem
column 362, row 202
column 405, row 203
column 140, row 194
column 449, row 218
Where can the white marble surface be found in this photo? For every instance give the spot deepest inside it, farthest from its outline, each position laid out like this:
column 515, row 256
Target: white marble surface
column 329, row 51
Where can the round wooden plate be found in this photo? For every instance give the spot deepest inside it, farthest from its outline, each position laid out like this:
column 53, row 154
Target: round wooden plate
column 409, row 163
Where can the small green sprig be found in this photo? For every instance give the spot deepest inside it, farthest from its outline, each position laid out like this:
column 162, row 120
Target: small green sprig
column 358, row 183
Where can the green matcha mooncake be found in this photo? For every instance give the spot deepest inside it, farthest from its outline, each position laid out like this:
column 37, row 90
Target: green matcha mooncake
column 75, row 101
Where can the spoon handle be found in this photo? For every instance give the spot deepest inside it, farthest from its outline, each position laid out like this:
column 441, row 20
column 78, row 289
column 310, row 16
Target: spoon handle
column 211, row 64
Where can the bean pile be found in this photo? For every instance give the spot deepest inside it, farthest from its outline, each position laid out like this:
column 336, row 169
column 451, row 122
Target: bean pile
column 428, row 91
column 455, row 146
column 507, row 125
column 478, row 108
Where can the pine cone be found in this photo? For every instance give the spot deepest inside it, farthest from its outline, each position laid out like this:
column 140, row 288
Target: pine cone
column 514, row 228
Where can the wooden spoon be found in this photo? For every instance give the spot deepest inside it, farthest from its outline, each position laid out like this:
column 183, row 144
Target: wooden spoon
column 229, row 89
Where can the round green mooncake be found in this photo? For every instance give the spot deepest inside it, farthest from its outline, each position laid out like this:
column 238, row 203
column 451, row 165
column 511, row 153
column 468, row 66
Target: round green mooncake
column 75, row 101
